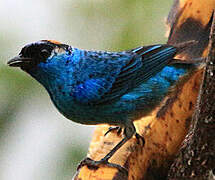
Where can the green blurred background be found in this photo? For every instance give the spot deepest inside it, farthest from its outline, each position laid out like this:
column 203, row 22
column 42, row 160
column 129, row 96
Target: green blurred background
column 36, row 141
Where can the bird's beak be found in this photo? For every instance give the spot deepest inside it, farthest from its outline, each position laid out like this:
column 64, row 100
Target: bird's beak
column 19, row 61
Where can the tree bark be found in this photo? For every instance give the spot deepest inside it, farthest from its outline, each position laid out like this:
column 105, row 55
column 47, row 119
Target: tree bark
column 196, row 159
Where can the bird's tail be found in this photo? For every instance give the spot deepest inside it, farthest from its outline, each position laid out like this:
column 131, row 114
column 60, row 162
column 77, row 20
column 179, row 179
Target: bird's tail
column 184, row 45
column 180, row 48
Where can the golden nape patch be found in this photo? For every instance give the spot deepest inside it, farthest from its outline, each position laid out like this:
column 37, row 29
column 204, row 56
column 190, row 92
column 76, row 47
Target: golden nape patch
column 58, row 50
column 54, row 42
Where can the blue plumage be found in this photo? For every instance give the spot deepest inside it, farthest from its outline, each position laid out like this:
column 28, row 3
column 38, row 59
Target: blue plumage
column 93, row 87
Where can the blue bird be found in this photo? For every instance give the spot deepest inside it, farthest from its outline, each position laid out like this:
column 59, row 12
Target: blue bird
column 95, row 87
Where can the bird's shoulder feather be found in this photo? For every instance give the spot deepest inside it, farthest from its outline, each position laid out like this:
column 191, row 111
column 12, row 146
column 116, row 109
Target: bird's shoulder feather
column 108, row 76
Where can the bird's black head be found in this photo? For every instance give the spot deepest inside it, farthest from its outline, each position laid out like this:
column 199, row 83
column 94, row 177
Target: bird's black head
column 34, row 53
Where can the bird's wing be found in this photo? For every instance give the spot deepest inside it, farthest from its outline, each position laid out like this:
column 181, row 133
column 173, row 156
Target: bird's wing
column 116, row 76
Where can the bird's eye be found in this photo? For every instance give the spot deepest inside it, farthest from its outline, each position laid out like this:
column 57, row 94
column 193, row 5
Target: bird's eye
column 44, row 54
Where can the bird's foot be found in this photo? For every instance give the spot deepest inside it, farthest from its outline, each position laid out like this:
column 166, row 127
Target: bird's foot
column 117, row 128
column 140, row 139
column 91, row 164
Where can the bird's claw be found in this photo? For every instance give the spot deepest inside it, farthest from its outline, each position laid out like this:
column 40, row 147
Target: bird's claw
column 140, row 139
column 91, row 164
column 117, row 128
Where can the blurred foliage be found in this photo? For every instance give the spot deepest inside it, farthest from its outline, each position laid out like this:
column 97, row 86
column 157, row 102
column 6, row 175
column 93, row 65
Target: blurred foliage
column 71, row 160
column 14, row 85
column 123, row 24
column 107, row 25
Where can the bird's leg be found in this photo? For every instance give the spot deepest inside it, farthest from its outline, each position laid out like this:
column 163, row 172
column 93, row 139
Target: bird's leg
column 95, row 164
column 129, row 131
column 118, row 128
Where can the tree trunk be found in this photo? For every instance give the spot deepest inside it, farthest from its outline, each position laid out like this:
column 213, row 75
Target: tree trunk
column 196, row 159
